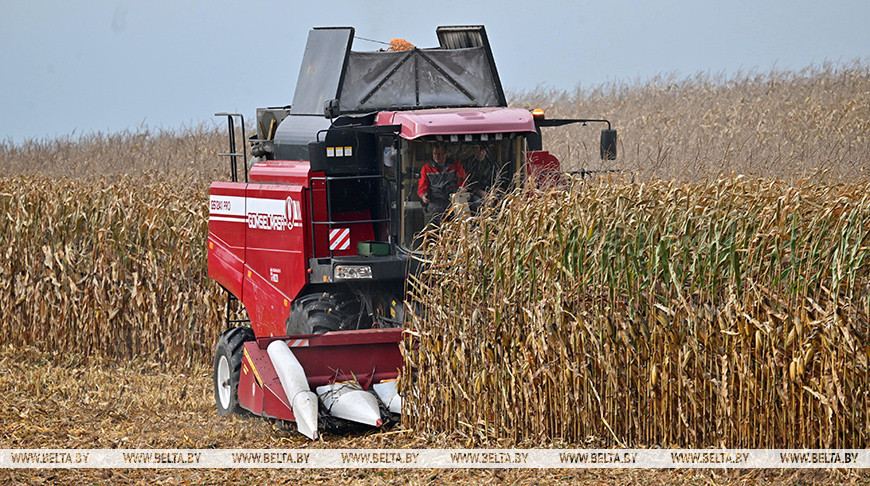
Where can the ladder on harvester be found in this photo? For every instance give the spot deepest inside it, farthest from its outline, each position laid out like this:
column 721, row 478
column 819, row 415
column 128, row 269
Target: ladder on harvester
column 233, row 154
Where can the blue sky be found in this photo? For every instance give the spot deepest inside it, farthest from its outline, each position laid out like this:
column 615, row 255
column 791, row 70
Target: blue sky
column 80, row 67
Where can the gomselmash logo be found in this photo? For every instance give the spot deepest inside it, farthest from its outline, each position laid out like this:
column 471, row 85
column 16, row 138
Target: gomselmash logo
column 258, row 213
column 274, row 214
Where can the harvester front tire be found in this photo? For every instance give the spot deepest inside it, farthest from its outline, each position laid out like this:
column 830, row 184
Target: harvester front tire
column 322, row 312
column 228, row 356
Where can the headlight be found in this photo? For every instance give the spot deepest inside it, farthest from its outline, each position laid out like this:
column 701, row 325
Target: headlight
column 348, row 272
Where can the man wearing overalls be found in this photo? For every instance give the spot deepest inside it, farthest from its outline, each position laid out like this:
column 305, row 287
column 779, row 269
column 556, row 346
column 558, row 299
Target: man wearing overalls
column 438, row 181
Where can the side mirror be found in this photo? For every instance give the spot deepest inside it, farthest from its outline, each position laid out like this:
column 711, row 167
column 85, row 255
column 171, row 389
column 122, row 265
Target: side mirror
column 331, row 109
column 608, row 144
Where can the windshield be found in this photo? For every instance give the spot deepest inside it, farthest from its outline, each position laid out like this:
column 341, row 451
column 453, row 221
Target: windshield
column 431, row 172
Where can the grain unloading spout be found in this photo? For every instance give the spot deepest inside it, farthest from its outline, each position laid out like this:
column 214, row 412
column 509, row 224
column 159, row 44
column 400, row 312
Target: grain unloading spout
column 295, row 385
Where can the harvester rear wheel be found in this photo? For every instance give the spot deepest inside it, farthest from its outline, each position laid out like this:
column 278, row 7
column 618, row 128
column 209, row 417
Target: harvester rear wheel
column 322, row 312
column 228, row 356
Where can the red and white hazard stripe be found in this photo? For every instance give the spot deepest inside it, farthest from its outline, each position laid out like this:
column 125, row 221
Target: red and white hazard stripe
column 339, row 239
column 297, row 343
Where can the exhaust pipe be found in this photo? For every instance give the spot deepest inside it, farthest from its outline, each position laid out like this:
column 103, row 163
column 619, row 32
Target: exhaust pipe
column 389, row 394
column 348, row 401
column 302, row 400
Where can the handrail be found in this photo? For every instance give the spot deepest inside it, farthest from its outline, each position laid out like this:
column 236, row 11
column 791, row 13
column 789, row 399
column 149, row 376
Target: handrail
column 329, row 221
column 233, row 154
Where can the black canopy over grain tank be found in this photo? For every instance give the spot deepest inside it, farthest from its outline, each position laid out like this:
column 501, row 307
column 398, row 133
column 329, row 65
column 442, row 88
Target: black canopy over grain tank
column 460, row 72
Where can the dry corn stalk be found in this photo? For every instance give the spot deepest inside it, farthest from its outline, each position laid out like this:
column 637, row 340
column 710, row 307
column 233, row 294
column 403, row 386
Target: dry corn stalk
column 733, row 312
column 113, row 269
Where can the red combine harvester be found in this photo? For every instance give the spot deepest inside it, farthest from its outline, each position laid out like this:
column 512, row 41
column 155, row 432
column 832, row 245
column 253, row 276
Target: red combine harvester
column 316, row 243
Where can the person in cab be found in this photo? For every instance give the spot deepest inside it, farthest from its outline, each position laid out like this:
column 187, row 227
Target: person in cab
column 439, row 179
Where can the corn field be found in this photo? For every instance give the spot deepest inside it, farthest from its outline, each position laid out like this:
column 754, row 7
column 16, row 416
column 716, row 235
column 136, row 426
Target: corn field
column 102, row 245
column 114, row 269
column 734, row 313
column 692, row 307
column 781, row 124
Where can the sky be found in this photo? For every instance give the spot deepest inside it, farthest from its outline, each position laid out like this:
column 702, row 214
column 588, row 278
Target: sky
column 78, row 67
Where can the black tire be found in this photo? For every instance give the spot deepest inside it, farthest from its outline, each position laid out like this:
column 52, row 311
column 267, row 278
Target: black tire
column 322, row 312
column 228, row 356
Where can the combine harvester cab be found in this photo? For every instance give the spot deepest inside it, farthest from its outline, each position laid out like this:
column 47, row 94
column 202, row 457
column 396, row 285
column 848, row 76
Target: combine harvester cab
column 315, row 237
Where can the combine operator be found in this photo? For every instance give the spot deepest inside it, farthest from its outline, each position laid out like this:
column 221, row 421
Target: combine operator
column 438, row 181
column 485, row 176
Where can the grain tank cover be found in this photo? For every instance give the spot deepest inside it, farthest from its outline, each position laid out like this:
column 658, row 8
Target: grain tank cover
column 322, row 69
column 459, row 73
